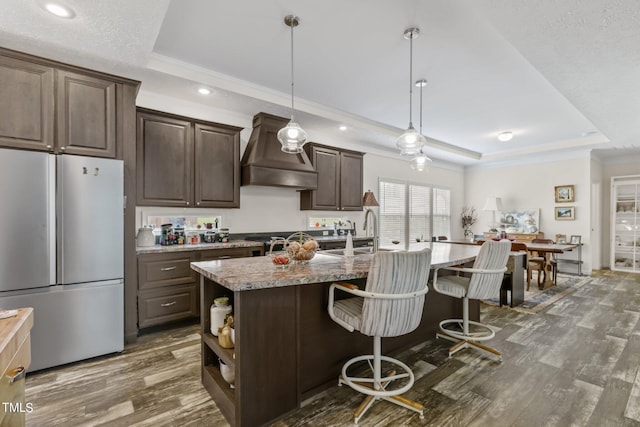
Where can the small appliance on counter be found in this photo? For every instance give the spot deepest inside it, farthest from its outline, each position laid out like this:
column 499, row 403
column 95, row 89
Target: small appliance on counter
column 145, row 237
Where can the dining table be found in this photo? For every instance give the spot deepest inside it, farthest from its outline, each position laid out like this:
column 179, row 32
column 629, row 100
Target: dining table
column 546, row 250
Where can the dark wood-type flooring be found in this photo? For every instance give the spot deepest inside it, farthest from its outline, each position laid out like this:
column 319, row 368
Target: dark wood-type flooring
column 576, row 363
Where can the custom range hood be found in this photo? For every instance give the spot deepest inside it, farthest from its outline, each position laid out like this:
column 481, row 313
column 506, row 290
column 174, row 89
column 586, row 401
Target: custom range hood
column 264, row 163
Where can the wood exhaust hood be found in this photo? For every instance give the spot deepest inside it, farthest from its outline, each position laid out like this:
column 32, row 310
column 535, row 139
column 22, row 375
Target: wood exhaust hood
column 264, row 163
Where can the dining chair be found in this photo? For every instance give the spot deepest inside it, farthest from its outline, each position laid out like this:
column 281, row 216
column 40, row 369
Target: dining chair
column 390, row 305
column 484, row 283
column 538, row 262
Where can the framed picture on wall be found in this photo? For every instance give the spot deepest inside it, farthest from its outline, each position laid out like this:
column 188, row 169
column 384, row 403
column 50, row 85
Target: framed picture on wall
column 564, row 193
column 565, row 213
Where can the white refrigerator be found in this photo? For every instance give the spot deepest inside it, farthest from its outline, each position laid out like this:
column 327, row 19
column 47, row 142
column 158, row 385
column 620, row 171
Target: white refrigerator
column 62, row 252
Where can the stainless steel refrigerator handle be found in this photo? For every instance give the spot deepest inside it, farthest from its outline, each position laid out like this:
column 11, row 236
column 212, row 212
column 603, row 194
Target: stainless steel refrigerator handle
column 168, row 268
column 51, row 218
column 16, row 374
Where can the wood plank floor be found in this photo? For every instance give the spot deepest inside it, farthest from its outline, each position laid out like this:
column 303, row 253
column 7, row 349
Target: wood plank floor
column 574, row 364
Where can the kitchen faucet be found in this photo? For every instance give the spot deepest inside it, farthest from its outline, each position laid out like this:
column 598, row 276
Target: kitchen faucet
column 375, row 227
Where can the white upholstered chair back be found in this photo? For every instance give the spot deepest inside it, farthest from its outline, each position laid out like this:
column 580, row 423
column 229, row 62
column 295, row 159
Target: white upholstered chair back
column 395, row 273
column 493, row 255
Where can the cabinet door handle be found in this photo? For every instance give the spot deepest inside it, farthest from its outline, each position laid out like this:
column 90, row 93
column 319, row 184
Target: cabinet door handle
column 224, row 257
column 187, row 203
column 63, row 148
column 49, row 147
column 16, row 374
column 168, row 268
column 198, row 203
column 168, row 304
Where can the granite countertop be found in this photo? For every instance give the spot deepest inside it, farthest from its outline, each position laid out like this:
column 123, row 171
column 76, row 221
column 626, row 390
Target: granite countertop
column 197, row 247
column 242, row 274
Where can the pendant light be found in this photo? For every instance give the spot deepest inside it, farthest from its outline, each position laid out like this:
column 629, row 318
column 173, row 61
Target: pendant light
column 419, row 162
column 409, row 142
column 292, row 136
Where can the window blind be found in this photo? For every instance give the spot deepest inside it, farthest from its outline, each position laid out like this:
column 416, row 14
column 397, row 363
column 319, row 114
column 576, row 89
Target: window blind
column 409, row 212
column 442, row 212
column 392, row 212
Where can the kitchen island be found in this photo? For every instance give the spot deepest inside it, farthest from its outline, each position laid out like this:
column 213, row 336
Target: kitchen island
column 286, row 347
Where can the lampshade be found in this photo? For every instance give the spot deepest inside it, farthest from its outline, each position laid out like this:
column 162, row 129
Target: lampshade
column 369, row 199
column 292, row 136
column 493, row 204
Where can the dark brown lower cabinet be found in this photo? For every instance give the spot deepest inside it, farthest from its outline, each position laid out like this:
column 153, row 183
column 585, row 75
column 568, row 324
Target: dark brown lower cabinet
column 168, row 288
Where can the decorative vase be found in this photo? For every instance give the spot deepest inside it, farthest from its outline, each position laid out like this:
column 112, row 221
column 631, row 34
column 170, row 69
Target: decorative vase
column 468, row 234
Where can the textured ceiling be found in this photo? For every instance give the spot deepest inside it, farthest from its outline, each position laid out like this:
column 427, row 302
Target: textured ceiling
column 561, row 74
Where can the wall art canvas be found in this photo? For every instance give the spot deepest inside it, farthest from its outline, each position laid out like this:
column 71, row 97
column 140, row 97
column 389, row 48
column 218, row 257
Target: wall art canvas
column 520, row 220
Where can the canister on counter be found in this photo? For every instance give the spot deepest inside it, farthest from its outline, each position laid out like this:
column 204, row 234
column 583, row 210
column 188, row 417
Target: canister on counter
column 223, row 235
column 209, row 236
column 166, row 236
column 179, row 235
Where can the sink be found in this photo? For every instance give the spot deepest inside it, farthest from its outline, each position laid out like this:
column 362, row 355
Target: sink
column 356, row 251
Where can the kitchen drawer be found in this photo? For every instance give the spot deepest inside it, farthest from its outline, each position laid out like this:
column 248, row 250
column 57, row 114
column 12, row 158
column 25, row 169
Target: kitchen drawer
column 168, row 304
column 157, row 270
column 226, row 253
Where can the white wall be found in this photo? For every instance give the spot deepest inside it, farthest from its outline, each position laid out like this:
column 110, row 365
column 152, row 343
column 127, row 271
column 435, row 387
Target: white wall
column 598, row 206
column 530, row 186
column 264, row 209
column 611, row 169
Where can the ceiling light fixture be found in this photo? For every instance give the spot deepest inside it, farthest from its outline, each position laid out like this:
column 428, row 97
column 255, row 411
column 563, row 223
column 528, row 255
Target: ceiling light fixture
column 410, row 141
column 204, row 91
column 505, row 136
column 59, row 10
column 292, row 136
column 342, row 127
column 419, row 162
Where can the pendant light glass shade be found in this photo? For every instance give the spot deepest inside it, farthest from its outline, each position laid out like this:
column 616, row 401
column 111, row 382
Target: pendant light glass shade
column 292, row 136
column 410, row 141
column 419, row 162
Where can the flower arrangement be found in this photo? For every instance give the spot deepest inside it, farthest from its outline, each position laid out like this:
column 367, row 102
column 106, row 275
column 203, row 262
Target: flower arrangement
column 468, row 216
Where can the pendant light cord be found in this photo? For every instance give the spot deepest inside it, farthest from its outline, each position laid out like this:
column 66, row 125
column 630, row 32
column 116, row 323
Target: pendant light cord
column 411, row 79
column 421, row 109
column 292, row 77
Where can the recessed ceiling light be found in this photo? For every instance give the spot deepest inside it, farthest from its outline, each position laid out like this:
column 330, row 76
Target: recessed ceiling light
column 505, row 136
column 204, row 91
column 342, row 127
column 59, row 10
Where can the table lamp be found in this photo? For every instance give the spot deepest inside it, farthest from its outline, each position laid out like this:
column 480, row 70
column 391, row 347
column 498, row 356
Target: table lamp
column 493, row 204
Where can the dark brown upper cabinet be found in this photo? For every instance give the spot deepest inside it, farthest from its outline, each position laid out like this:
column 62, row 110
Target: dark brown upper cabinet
column 27, row 106
column 55, row 107
column 86, row 115
column 187, row 163
column 339, row 179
